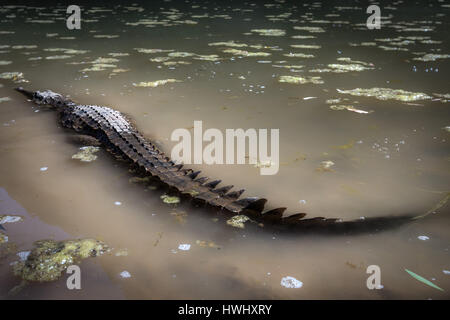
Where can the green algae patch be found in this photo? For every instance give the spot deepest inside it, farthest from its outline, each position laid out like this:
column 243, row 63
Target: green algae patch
column 387, row 94
column 49, row 258
column 238, row 221
column 170, row 200
column 300, row 80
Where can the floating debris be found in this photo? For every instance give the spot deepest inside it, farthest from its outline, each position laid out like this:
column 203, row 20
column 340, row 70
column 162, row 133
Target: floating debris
column 154, row 84
column 9, row 219
column 349, row 108
column 387, row 94
column 43, row 169
column 4, row 63
column 15, row 76
column 5, row 99
column 291, row 282
column 49, row 258
column 325, row 166
column 86, row 154
column 238, row 221
column 125, row 274
column 184, row 247
column 423, row 238
column 300, row 80
column 170, row 200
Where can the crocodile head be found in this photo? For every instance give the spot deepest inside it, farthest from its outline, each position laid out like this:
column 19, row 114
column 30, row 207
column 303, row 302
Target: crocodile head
column 46, row 97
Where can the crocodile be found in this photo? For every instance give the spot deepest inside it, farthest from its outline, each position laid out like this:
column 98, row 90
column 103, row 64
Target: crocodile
column 113, row 130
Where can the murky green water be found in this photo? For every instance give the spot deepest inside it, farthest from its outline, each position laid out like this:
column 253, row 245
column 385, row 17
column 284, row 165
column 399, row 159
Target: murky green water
column 344, row 153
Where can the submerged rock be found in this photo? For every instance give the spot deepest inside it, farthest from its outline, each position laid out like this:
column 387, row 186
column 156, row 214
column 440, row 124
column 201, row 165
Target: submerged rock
column 49, row 258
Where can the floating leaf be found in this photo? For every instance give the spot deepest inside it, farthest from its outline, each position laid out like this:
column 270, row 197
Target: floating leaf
column 422, row 279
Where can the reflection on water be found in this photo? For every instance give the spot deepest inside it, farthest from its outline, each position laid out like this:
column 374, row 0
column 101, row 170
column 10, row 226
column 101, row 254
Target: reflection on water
column 363, row 118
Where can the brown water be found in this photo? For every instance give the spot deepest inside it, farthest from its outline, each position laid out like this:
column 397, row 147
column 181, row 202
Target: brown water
column 394, row 160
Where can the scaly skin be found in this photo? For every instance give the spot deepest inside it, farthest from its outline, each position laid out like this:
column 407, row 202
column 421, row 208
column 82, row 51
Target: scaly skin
column 119, row 137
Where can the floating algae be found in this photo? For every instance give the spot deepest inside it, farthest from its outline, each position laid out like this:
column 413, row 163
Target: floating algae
column 154, row 84
column 238, row 221
column 432, row 57
column 49, row 258
column 9, row 219
column 387, row 94
column 310, row 29
column 348, row 67
column 86, row 154
column 143, row 50
column 246, row 53
column 305, row 46
column 228, row 44
column 170, row 200
column 3, row 238
column 300, row 80
column 269, row 32
column 298, row 55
